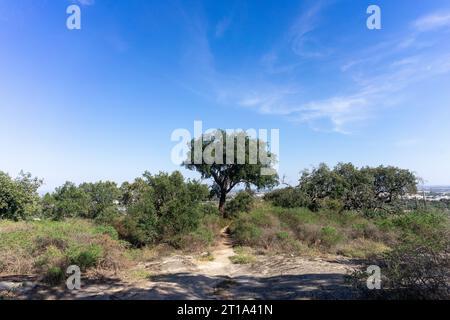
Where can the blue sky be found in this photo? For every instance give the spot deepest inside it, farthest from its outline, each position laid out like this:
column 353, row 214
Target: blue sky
column 102, row 102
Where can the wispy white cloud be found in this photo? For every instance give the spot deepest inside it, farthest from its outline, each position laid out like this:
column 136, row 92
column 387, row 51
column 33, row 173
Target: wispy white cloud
column 302, row 43
column 433, row 21
column 375, row 77
column 86, row 2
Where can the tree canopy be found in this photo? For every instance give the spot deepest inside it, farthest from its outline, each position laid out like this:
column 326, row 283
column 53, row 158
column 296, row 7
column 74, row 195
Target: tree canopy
column 18, row 197
column 346, row 187
column 231, row 159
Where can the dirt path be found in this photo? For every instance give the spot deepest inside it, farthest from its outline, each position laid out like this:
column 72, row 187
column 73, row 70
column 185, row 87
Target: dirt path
column 186, row 277
column 221, row 265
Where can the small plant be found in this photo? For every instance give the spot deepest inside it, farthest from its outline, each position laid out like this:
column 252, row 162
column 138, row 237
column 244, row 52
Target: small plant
column 85, row 257
column 243, row 202
column 242, row 259
column 329, row 236
column 243, row 256
column 54, row 276
column 283, row 235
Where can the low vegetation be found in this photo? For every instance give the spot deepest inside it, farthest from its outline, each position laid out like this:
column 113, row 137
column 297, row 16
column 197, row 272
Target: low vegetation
column 417, row 268
column 359, row 213
column 327, row 231
column 243, row 255
column 47, row 248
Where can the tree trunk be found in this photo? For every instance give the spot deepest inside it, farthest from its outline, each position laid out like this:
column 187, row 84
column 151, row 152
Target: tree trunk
column 223, row 197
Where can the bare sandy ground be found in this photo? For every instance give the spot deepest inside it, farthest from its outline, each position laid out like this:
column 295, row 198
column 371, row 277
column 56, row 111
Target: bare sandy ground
column 185, row 277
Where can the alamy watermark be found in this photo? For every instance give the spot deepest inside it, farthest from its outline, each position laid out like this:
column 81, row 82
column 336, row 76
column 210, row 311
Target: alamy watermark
column 233, row 142
column 73, row 282
column 374, row 20
column 73, row 22
column 374, row 280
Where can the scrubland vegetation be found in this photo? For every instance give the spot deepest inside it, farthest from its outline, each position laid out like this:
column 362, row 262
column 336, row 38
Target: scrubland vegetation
column 346, row 211
column 47, row 248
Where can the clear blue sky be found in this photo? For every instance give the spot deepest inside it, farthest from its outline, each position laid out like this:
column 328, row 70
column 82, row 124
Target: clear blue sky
column 102, row 102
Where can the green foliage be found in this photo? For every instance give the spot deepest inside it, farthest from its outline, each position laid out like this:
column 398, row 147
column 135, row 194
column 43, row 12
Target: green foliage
column 298, row 230
column 161, row 208
column 346, row 187
column 329, row 236
column 68, row 201
column 18, row 197
column 47, row 247
column 242, row 202
column 230, row 169
column 85, row 257
column 177, row 203
column 107, row 230
column 210, row 209
column 246, row 234
column 242, row 256
column 287, row 198
column 89, row 200
column 54, row 275
column 103, row 198
column 419, row 222
column 203, row 236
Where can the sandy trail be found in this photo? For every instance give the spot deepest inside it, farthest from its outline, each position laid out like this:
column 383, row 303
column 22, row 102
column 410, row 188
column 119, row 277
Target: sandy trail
column 221, row 265
column 185, row 277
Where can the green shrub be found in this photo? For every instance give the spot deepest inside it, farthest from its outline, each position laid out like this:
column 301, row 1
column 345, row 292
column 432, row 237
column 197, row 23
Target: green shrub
column 161, row 208
column 420, row 223
column 68, row 201
column 138, row 228
column 243, row 255
column 287, row 198
column 54, row 276
column 209, row 209
column 243, row 202
column 246, row 233
column 89, row 200
column 51, row 257
column 329, row 236
column 39, row 247
column 108, row 230
column 242, row 259
column 18, row 197
column 85, row 257
column 283, row 235
column 335, row 205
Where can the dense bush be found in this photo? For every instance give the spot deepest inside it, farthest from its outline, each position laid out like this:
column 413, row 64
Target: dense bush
column 154, row 208
column 68, row 201
column 242, row 202
column 287, row 198
column 160, row 208
column 18, row 197
column 205, row 235
column 347, row 188
column 89, row 200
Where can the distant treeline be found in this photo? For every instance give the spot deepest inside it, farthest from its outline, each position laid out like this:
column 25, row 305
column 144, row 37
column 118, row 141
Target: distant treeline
column 165, row 206
column 346, row 187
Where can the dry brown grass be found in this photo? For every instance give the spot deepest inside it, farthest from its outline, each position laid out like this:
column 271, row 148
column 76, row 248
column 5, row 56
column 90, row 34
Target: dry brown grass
column 43, row 247
column 15, row 261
